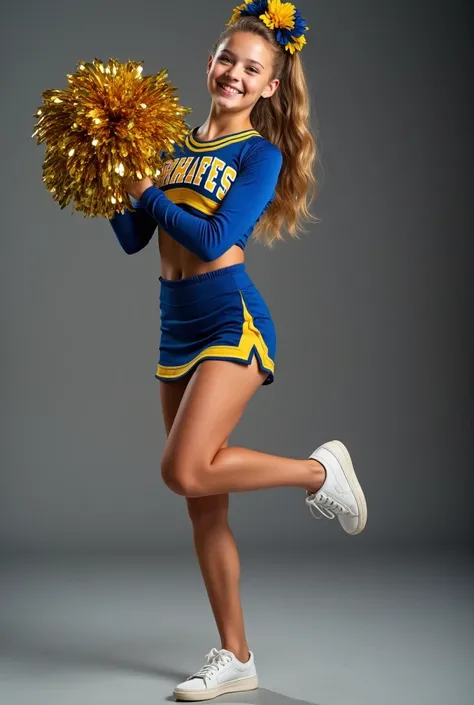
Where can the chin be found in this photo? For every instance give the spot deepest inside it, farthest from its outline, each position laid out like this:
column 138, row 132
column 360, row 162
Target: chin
column 226, row 104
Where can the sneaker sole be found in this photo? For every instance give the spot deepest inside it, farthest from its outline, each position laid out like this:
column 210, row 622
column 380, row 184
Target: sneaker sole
column 235, row 686
column 339, row 450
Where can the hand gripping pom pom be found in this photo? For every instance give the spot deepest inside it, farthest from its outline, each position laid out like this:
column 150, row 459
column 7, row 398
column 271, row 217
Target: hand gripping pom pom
column 108, row 127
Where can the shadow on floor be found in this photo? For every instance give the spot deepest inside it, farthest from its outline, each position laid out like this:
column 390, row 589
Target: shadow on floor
column 70, row 656
column 262, row 696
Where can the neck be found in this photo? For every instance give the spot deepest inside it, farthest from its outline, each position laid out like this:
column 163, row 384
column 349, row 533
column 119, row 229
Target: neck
column 223, row 124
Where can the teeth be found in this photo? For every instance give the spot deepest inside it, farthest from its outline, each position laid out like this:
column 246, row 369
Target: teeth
column 229, row 88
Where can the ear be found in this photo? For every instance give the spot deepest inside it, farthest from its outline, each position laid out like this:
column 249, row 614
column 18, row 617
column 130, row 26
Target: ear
column 209, row 63
column 271, row 88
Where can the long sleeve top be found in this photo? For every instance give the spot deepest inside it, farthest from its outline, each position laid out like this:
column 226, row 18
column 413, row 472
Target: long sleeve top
column 210, row 195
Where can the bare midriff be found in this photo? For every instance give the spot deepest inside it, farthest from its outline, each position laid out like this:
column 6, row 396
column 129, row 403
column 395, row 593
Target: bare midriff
column 179, row 263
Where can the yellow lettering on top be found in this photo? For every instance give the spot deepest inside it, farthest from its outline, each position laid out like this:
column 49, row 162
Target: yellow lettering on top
column 173, row 164
column 217, row 165
column 228, row 177
column 205, row 161
column 164, row 172
column 190, row 175
column 180, row 171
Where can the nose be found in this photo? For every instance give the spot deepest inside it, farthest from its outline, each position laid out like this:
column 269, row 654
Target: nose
column 232, row 74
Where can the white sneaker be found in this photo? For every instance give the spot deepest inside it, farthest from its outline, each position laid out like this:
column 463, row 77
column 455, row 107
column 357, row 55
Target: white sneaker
column 222, row 673
column 341, row 493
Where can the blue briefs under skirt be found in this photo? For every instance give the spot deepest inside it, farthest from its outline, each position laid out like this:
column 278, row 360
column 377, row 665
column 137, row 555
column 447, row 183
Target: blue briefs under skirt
column 218, row 315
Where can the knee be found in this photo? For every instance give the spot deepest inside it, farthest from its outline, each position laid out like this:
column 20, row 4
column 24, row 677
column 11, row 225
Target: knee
column 184, row 480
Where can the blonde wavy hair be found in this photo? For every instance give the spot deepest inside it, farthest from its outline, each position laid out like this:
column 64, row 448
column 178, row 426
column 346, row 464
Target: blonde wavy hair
column 283, row 119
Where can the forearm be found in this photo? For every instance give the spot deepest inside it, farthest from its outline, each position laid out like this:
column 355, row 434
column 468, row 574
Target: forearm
column 208, row 238
column 133, row 230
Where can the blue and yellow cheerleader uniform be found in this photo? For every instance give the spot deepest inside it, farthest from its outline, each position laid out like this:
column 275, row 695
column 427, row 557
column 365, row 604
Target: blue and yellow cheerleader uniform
column 209, row 197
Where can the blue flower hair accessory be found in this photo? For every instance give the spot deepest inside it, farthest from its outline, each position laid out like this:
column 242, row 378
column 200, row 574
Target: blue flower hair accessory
column 283, row 17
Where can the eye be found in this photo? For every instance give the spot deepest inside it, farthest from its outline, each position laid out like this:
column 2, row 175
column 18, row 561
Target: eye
column 224, row 58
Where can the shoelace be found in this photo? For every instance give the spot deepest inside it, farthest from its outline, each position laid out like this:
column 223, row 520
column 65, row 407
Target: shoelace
column 214, row 660
column 322, row 503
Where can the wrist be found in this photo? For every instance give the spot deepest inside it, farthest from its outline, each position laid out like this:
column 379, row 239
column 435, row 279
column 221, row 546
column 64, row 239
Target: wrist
column 137, row 188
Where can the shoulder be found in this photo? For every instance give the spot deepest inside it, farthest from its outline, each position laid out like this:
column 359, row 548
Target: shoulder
column 260, row 150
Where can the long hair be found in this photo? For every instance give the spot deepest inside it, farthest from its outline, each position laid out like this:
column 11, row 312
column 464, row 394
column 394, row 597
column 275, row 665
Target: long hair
column 283, row 119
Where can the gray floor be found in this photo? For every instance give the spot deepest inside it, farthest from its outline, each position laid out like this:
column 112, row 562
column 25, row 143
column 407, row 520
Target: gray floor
column 327, row 630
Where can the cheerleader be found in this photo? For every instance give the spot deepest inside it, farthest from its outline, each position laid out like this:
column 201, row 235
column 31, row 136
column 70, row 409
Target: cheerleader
column 248, row 169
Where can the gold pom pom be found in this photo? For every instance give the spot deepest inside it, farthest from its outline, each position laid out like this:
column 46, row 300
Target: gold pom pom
column 108, row 126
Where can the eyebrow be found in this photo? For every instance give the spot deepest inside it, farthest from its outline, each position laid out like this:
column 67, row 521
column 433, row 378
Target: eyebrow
column 252, row 61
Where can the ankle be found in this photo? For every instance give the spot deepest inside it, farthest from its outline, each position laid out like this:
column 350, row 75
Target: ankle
column 317, row 475
column 241, row 653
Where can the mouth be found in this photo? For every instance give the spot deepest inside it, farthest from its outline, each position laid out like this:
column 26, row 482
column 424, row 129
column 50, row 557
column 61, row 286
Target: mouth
column 228, row 90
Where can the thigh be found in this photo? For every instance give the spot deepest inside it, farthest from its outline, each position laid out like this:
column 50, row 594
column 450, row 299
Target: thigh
column 211, row 407
column 171, row 394
column 201, row 509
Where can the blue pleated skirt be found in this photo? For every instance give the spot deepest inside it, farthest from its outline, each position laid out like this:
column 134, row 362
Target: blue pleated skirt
column 218, row 315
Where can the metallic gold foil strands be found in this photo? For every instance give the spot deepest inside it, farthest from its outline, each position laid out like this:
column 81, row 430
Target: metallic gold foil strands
column 109, row 125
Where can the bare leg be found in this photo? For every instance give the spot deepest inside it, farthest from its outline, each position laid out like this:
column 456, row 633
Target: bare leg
column 220, row 566
column 195, row 464
column 215, row 546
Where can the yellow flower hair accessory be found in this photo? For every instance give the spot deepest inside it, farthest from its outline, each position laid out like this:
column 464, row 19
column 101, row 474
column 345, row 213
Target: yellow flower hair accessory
column 282, row 17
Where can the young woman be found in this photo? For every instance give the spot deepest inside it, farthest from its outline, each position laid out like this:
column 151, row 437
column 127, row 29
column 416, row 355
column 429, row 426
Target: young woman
column 247, row 169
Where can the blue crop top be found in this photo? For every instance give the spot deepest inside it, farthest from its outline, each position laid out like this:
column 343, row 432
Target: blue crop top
column 209, row 196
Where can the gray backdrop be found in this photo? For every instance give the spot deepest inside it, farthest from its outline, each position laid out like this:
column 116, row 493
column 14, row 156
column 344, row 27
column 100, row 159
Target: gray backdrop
column 373, row 306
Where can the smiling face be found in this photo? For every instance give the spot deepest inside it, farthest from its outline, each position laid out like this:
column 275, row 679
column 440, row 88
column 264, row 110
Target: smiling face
column 240, row 72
